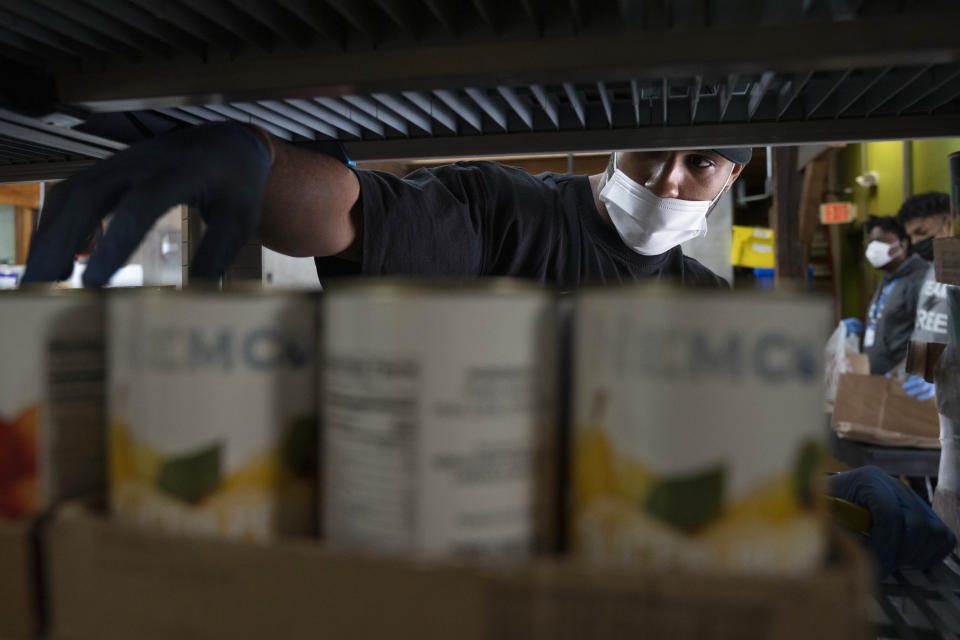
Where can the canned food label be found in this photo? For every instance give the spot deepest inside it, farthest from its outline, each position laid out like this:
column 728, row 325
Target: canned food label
column 432, row 438
column 697, row 423
column 51, row 400
column 212, row 422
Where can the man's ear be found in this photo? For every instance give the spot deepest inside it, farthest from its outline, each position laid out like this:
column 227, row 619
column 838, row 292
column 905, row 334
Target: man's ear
column 737, row 169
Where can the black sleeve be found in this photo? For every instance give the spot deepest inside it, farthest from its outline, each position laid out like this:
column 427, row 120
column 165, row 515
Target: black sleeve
column 465, row 219
column 699, row 276
column 429, row 223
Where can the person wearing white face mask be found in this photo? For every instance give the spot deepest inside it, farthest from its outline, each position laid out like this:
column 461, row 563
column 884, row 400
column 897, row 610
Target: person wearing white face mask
column 486, row 218
column 893, row 308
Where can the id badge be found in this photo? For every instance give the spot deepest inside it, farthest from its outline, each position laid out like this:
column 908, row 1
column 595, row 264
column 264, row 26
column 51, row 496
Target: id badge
column 869, row 336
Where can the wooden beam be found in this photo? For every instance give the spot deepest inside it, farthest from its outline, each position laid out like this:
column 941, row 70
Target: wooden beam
column 21, row 194
column 811, row 195
column 23, row 232
column 789, row 254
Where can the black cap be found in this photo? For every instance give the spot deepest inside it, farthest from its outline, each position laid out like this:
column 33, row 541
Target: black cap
column 738, row 155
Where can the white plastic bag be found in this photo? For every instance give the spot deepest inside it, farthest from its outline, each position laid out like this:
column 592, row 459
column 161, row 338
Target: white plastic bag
column 837, row 359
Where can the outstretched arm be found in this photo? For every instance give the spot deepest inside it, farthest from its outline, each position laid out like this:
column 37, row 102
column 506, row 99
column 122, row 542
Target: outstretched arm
column 241, row 180
column 311, row 204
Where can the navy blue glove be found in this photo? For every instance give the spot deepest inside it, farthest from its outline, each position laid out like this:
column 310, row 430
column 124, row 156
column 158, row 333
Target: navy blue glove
column 919, row 388
column 906, row 533
column 221, row 168
column 854, row 326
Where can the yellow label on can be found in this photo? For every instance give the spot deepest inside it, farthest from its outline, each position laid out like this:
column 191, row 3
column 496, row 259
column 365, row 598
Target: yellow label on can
column 696, row 430
column 213, row 428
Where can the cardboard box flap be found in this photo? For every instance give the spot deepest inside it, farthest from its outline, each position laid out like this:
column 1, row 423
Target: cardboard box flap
column 876, row 409
column 571, row 603
column 859, row 363
column 19, row 593
column 155, row 586
column 152, row 586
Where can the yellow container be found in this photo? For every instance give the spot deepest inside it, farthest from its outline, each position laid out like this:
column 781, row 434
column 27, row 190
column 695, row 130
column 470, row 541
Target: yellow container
column 752, row 247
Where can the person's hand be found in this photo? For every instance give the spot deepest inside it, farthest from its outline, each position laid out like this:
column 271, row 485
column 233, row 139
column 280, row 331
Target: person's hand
column 919, row 388
column 906, row 533
column 221, row 168
column 853, row 325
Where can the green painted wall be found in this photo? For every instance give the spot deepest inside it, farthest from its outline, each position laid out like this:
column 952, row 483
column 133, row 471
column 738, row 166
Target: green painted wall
column 931, row 171
column 886, row 158
column 848, row 168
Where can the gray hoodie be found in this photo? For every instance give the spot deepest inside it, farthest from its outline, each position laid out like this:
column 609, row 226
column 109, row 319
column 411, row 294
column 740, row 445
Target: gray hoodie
column 894, row 319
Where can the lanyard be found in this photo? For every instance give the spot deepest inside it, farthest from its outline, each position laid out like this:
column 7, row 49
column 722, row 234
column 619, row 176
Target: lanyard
column 877, row 309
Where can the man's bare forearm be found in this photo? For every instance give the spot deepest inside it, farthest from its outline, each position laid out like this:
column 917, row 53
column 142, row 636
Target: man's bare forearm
column 310, row 207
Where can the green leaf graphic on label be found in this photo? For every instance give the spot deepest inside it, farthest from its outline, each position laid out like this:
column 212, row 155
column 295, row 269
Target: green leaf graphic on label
column 688, row 501
column 806, row 464
column 192, row 477
column 300, row 446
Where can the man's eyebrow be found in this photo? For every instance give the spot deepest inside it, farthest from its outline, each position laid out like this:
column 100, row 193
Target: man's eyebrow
column 707, row 152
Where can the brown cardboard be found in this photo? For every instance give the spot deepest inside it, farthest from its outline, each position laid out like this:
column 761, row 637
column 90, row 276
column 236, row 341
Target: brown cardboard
column 849, row 362
column 859, row 363
column 112, row 582
column 946, row 260
column 19, row 611
column 922, row 358
column 876, row 409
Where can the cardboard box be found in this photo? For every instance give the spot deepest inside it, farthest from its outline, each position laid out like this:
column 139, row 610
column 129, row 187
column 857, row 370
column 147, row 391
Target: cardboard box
column 19, row 592
column 839, row 362
column 922, row 358
column 946, row 260
column 109, row 581
column 876, row 409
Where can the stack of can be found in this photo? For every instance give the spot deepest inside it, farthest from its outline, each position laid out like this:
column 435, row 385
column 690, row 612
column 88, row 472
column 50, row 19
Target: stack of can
column 691, row 438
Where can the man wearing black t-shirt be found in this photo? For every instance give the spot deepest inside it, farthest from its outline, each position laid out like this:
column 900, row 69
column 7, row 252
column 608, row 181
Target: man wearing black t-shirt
column 486, row 218
column 466, row 219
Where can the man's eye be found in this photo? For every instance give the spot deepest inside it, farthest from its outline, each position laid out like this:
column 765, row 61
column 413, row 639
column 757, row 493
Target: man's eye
column 700, row 162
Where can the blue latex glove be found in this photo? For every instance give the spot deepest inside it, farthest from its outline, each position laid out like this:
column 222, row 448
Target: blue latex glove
column 221, row 168
column 854, row 326
column 919, row 388
column 906, row 533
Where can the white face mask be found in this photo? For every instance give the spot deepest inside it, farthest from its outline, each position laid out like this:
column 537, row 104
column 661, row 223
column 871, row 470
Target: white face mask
column 878, row 254
column 649, row 224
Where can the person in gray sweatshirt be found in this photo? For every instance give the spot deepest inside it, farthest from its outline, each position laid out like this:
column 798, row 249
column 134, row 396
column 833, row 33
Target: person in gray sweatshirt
column 893, row 308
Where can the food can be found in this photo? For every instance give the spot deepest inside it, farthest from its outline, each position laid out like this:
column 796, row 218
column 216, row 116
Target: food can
column 438, row 408
column 697, row 426
column 51, row 398
column 212, row 412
